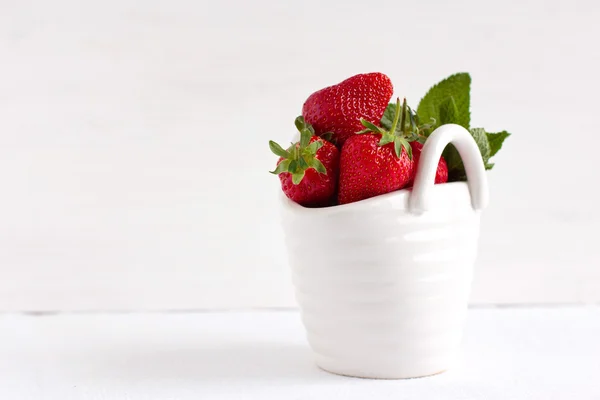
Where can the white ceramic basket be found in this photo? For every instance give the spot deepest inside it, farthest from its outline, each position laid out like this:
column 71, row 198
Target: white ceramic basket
column 383, row 284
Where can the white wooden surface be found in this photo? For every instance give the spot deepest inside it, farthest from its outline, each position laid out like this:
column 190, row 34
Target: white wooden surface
column 116, row 115
column 508, row 353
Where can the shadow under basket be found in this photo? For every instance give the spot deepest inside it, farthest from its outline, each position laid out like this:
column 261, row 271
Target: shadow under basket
column 383, row 284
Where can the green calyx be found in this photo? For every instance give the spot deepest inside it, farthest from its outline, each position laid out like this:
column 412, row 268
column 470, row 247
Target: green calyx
column 300, row 156
column 401, row 130
column 411, row 128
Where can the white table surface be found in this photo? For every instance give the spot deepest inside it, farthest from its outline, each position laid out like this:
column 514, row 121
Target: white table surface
column 508, row 353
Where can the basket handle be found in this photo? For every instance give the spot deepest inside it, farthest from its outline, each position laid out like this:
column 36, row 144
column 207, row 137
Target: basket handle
column 430, row 156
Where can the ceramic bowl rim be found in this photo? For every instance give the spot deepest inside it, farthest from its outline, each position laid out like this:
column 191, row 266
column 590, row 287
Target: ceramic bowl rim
column 396, row 195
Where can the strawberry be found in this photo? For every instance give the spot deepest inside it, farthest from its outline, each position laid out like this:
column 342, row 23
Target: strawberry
column 339, row 108
column 308, row 170
column 441, row 176
column 375, row 161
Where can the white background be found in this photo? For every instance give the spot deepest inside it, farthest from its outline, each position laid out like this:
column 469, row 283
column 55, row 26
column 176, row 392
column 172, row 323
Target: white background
column 134, row 157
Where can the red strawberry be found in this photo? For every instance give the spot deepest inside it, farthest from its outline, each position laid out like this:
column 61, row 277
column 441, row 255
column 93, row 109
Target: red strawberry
column 339, row 108
column 372, row 164
column 309, row 169
column 441, row 176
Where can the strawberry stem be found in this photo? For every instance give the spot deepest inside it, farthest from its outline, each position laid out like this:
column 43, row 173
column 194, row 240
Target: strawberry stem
column 397, row 116
column 403, row 124
column 400, row 135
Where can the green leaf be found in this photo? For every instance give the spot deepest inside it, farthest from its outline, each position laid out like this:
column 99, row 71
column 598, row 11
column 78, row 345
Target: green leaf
column 306, row 131
column 408, row 149
column 456, row 86
column 385, row 139
column 296, row 152
column 278, row 150
column 448, row 111
column 293, row 166
column 371, row 126
column 482, row 142
column 496, row 140
column 456, row 168
column 300, row 123
column 318, row 165
column 305, row 138
column 449, row 102
column 314, row 146
column 401, row 143
column 281, row 167
column 327, row 136
column 388, row 116
column 302, row 163
column 297, row 177
column 398, row 146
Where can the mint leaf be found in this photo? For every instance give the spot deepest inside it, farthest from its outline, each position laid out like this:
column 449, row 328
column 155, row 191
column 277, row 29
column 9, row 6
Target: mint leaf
column 456, row 168
column 448, row 111
column 457, row 87
column 449, row 102
column 388, row 116
column 496, row 140
column 483, row 143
